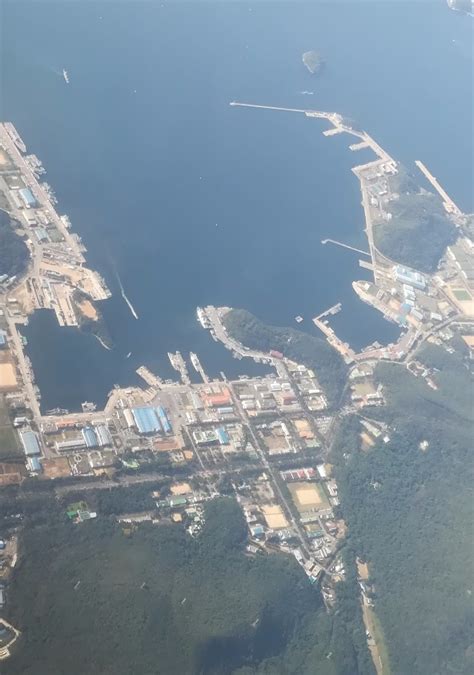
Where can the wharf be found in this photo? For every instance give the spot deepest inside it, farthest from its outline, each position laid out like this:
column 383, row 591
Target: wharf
column 333, row 131
column 179, row 365
column 366, row 265
column 358, row 146
column 329, row 312
column 150, row 378
column 343, row 348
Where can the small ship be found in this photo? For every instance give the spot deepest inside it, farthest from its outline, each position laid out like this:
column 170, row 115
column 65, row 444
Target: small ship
column 202, row 318
column 57, row 411
column 87, row 406
column 66, row 76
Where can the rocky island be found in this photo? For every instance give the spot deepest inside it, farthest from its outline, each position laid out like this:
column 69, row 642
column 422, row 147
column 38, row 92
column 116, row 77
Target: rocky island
column 313, row 62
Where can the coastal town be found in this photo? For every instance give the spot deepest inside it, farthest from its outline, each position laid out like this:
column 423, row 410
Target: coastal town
column 267, row 439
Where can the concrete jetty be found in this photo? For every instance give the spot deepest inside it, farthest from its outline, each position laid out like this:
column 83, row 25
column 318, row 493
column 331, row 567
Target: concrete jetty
column 448, row 203
column 340, row 243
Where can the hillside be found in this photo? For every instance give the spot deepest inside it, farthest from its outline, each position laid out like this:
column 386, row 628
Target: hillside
column 410, row 509
column 311, row 351
column 157, row 601
column 14, row 252
column 418, row 233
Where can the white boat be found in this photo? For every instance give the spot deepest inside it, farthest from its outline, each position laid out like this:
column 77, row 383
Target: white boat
column 66, row 76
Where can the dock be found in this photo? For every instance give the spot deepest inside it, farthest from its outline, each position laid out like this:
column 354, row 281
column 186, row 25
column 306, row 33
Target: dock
column 179, row 365
column 329, row 312
column 358, row 146
column 343, row 348
column 150, row 378
column 333, row 131
column 448, row 203
column 340, row 243
column 366, row 265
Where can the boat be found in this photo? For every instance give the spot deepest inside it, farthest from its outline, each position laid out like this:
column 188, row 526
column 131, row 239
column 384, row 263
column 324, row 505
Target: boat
column 202, row 318
column 57, row 411
column 195, row 361
column 66, row 76
column 128, row 355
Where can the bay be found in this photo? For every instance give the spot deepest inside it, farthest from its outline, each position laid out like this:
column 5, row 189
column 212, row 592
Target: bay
column 193, row 202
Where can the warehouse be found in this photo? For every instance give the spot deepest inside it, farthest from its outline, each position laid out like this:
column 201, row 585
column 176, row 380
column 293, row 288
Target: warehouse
column 409, row 277
column 27, row 197
column 90, row 437
column 103, row 435
column 164, row 419
column 146, row 420
column 30, row 443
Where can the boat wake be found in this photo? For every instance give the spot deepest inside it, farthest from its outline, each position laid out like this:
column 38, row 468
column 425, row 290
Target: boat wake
column 122, row 293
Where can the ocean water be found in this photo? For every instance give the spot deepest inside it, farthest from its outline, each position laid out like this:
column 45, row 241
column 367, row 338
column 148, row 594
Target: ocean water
column 194, row 202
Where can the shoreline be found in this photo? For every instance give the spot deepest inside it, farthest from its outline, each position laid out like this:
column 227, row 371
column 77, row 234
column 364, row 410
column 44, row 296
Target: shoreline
column 379, row 264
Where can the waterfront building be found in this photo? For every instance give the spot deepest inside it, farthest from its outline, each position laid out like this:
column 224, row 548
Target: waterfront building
column 146, row 420
column 30, row 443
column 27, row 198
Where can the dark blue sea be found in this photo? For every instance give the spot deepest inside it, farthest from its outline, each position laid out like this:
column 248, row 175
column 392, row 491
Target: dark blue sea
column 194, row 202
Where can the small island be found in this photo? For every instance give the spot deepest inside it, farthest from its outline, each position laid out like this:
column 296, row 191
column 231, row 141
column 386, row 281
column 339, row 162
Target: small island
column 313, row 62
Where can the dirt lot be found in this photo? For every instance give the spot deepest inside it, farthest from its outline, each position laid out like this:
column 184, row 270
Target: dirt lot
column 88, row 309
column 274, row 516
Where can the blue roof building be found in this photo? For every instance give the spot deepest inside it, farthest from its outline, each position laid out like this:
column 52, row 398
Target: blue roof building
column 34, row 464
column 410, row 277
column 30, row 443
column 165, row 423
column 146, row 419
column 27, row 197
column 223, row 436
column 90, row 437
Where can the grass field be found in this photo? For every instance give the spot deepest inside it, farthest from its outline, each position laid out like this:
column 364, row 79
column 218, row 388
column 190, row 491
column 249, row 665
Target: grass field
column 9, row 446
column 379, row 650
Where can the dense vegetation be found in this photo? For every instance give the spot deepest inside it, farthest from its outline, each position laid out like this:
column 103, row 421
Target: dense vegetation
column 313, row 62
column 409, row 511
column 95, row 599
column 14, row 252
column 418, row 233
column 312, row 351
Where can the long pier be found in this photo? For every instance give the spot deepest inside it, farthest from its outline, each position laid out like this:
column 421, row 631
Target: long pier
column 340, row 243
column 266, row 107
column 448, row 203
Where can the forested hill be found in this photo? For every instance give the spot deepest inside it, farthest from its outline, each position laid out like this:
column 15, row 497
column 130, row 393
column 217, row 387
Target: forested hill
column 13, row 250
column 409, row 509
column 309, row 350
column 418, row 233
column 93, row 599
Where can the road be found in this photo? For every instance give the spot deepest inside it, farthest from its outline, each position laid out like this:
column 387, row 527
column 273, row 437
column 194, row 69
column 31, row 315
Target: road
column 270, row 470
column 28, row 385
